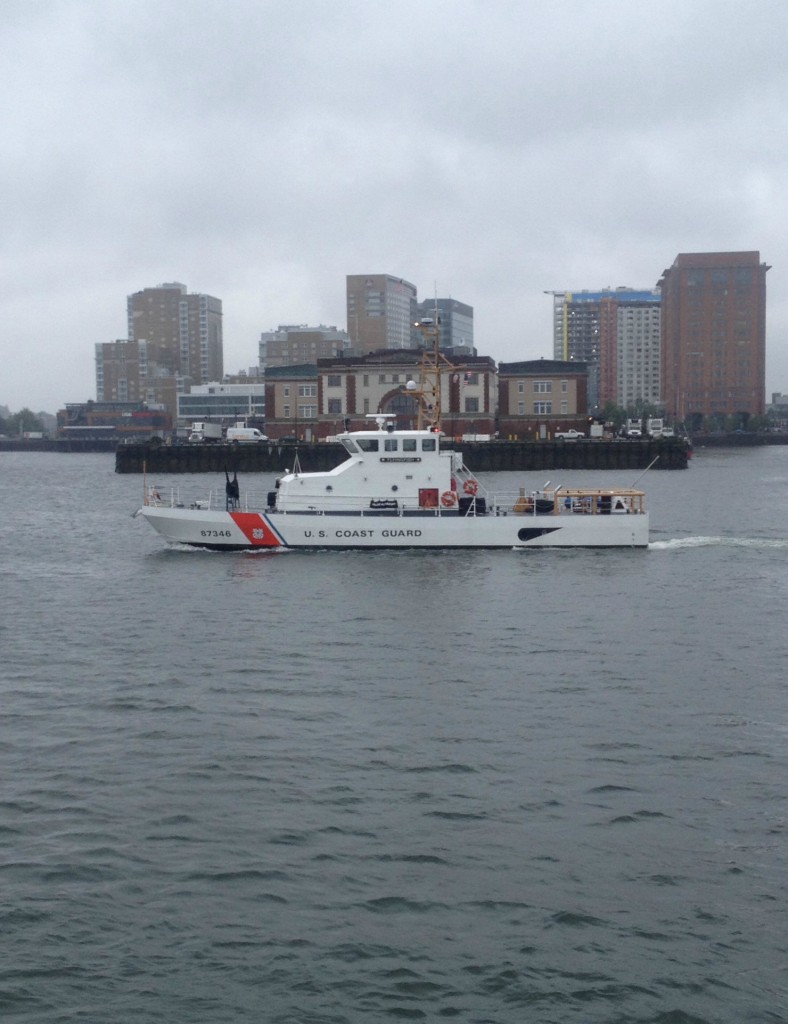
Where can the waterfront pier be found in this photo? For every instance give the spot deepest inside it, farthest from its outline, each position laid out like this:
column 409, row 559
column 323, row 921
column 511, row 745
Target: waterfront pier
column 483, row 457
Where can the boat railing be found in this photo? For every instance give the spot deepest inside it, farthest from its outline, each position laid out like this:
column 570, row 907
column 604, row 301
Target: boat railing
column 559, row 501
column 580, row 501
column 162, row 497
column 543, row 502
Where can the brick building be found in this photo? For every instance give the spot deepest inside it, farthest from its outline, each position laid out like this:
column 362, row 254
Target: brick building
column 312, row 402
column 714, row 336
column 539, row 396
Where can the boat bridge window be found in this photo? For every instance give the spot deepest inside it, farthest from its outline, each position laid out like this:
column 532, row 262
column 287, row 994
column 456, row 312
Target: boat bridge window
column 428, row 444
column 368, row 444
column 350, row 445
column 409, row 444
column 390, row 444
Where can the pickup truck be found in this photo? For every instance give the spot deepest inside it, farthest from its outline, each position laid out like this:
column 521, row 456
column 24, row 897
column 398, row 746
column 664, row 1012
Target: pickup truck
column 569, row 435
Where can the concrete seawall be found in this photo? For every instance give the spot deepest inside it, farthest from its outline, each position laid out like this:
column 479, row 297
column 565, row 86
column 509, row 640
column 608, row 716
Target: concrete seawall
column 493, row 456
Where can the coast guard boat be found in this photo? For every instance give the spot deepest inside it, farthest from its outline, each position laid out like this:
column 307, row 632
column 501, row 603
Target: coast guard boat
column 398, row 489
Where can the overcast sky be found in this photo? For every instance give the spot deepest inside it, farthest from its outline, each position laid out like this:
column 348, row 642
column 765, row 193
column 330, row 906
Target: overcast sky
column 260, row 150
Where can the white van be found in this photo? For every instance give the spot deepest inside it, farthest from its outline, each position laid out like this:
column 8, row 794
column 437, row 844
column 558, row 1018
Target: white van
column 235, row 435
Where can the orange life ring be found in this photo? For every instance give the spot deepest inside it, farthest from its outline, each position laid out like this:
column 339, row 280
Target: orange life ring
column 448, row 499
column 470, row 487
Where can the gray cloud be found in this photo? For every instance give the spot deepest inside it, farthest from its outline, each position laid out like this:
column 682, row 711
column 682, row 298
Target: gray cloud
column 262, row 151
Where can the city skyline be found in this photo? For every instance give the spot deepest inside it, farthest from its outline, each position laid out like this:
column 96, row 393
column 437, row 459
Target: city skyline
column 487, row 152
column 144, row 303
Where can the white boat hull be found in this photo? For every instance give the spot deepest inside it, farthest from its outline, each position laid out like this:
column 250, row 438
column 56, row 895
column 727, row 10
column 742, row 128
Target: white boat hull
column 308, row 530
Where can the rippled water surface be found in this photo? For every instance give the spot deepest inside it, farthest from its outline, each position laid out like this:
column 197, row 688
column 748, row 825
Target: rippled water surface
column 323, row 788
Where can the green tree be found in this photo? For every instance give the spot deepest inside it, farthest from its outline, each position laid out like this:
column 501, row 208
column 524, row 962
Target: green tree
column 614, row 414
column 21, row 421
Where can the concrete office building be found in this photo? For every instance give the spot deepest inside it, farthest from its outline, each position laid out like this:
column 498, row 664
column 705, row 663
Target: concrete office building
column 455, row 323
column 224, row 402
column 381, row 311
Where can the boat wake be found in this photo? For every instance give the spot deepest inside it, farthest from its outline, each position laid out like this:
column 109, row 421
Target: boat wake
column 679, row 543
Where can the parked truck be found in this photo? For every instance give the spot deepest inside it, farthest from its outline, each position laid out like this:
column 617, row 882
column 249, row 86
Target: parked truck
column 239, row 435
column 201, row 432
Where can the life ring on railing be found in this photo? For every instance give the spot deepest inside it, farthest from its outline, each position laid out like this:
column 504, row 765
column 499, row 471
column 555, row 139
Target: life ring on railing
column 449, row 499
column 470, row 487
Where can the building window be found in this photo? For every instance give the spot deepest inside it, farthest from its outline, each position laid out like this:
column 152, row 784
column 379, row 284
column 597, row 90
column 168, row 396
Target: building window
column 521, row 408
column 395, row 378
column 286, row 411
column 307, row 412
column 543, row 408
column 286, row 390
column 307, row 390
column 334, row 406
column 471, row 378
column 334, row 380
column 521, row 387
column 564, row 386
column 366, row 380
column 471, row 404
column 543, row 387
column 564, row 407
column 382, row 378
column 366, row 406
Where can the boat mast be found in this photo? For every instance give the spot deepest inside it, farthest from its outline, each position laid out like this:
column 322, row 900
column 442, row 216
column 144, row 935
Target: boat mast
column 432, row 363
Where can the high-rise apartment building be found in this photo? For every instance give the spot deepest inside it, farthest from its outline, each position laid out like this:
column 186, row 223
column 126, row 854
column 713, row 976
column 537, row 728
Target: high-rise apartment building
column 631, row 346
column 455, row 323
column 615, row 332
column 175, row 340
column 290, row 344
column 118, row 371
column 381, row 310
column 714, row 336
column 183, row 332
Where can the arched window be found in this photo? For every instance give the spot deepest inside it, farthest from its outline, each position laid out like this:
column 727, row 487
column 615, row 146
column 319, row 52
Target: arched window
column 404, row 406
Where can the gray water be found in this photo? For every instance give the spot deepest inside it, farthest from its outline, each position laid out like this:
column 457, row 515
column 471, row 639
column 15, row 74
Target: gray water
column 322, row 788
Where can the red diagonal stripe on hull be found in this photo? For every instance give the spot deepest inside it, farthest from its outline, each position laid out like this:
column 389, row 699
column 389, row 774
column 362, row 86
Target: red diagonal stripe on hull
column 256, row 529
